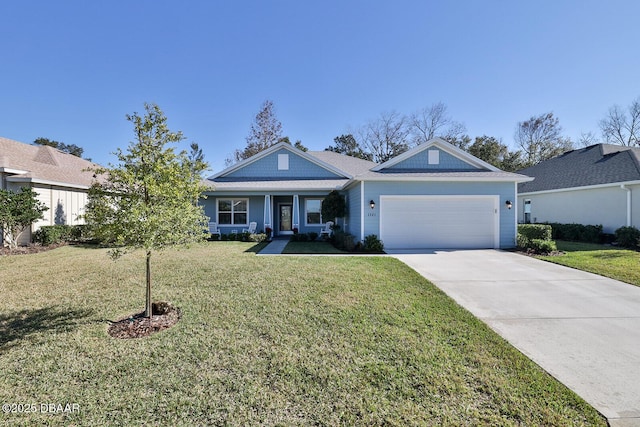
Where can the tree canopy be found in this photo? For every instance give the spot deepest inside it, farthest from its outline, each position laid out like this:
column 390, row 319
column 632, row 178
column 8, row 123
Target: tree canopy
column 148, row 200
column 347, row 145
column 541, row 138
column 72, row 149
column 265, row 131
column 622, row 127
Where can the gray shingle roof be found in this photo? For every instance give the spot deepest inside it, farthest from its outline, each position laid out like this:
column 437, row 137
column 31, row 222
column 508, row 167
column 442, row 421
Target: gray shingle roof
column 43, row 163
column 594, row 165
column 351, row 165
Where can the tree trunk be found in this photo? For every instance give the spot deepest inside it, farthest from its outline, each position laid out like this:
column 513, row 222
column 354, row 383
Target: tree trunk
column 148, row 309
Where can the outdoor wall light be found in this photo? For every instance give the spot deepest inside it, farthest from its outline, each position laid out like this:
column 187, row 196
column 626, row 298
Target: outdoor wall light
column 508, row 203
column 372, row 204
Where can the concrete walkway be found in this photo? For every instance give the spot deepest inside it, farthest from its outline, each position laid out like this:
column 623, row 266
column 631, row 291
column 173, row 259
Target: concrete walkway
column 276, row 247
column 582, row 328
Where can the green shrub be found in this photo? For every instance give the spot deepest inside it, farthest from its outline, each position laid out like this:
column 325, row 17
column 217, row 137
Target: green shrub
column 343, row 241
column 628, row 237
column 300, row 237
column 540, row 246
column 259, row 237
column 54, row 234
column 372, row 244
column 577, row 232
column 535, row 231
column 312, row 236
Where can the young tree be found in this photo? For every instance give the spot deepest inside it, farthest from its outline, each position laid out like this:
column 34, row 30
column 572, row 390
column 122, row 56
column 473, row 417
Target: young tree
column 433, row 121
column 265, row 131
column 347, row 145
column 541, row 138
column 622, row 129
column 18, row 210
column 149, row 199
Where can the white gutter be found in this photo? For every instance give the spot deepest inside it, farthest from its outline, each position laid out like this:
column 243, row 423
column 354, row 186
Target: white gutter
column 628, row 190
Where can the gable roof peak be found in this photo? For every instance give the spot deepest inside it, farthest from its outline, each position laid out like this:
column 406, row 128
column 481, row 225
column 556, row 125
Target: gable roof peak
column 279, row 146
column 444, row 146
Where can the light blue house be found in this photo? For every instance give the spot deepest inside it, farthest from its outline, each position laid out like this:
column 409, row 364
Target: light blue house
column 433, row 196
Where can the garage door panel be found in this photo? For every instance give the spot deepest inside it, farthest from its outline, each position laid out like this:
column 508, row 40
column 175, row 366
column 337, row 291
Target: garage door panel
column 438, row 221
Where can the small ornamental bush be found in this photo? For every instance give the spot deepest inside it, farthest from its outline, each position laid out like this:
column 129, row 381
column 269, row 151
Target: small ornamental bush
column 258, row 238
column 312, row 236
column 372, row 244
column 541, row 247
column 628, row 237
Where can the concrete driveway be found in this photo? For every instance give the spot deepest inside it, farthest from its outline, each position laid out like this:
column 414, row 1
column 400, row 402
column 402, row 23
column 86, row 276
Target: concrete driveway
column 582, row 328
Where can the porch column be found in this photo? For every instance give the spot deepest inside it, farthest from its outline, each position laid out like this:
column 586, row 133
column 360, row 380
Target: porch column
column 296, row 212
column 267, row 212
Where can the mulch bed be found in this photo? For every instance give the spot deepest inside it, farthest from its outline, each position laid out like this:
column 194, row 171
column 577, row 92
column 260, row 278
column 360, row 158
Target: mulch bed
column 164, row 315
column 30, row 249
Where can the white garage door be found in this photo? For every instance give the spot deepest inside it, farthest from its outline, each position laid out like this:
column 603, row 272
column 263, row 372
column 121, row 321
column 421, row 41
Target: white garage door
column 410, row 222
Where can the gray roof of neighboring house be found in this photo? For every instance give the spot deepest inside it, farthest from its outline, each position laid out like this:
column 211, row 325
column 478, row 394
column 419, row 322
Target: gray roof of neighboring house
column 43, row 164
column 594, row 165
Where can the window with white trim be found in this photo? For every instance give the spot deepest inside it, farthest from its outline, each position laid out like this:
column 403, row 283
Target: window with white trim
column 233, row 211
column 313, row 209
column 283, row 162
column 434, row 157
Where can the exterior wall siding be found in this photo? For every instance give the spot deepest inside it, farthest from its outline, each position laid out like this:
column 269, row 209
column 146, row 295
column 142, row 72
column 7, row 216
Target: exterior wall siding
column 420, row 162
column 505, row 191
column 267, row 167
column 605, row 206
column 353, row 219
column 256, row 210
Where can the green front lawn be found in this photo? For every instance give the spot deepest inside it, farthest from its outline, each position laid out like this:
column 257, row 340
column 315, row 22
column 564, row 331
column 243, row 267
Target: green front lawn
column 616, row 263
column 263, row 341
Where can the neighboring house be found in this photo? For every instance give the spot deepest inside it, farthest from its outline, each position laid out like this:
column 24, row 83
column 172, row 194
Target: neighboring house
column 433, row 196
column 61, row 180
column 596, row 185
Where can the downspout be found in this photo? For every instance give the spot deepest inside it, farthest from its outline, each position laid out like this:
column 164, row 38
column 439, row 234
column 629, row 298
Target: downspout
column 361, row 210
column 628, row 190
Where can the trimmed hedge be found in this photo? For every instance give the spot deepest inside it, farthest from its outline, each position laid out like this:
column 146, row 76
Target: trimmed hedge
column 577, row 232
column 535, row 231
column 535, row 238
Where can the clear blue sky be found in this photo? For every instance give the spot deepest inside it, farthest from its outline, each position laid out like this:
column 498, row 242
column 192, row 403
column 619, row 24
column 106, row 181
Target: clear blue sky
column 71, row 70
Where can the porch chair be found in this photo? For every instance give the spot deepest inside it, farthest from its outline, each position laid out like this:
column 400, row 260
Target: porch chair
column 327, row 231
column 251, row 229
column 213, row 229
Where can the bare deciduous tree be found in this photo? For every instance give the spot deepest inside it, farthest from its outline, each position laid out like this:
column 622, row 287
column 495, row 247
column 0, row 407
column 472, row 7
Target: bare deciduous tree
column 386, row 136
column 433, row 121
column 621, row 128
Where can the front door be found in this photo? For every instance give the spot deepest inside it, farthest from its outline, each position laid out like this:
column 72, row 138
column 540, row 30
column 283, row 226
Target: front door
column 286, row 218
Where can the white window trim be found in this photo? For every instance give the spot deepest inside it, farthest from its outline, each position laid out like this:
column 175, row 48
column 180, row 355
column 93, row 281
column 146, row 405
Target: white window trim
column 321, row 223
column 232, row 211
